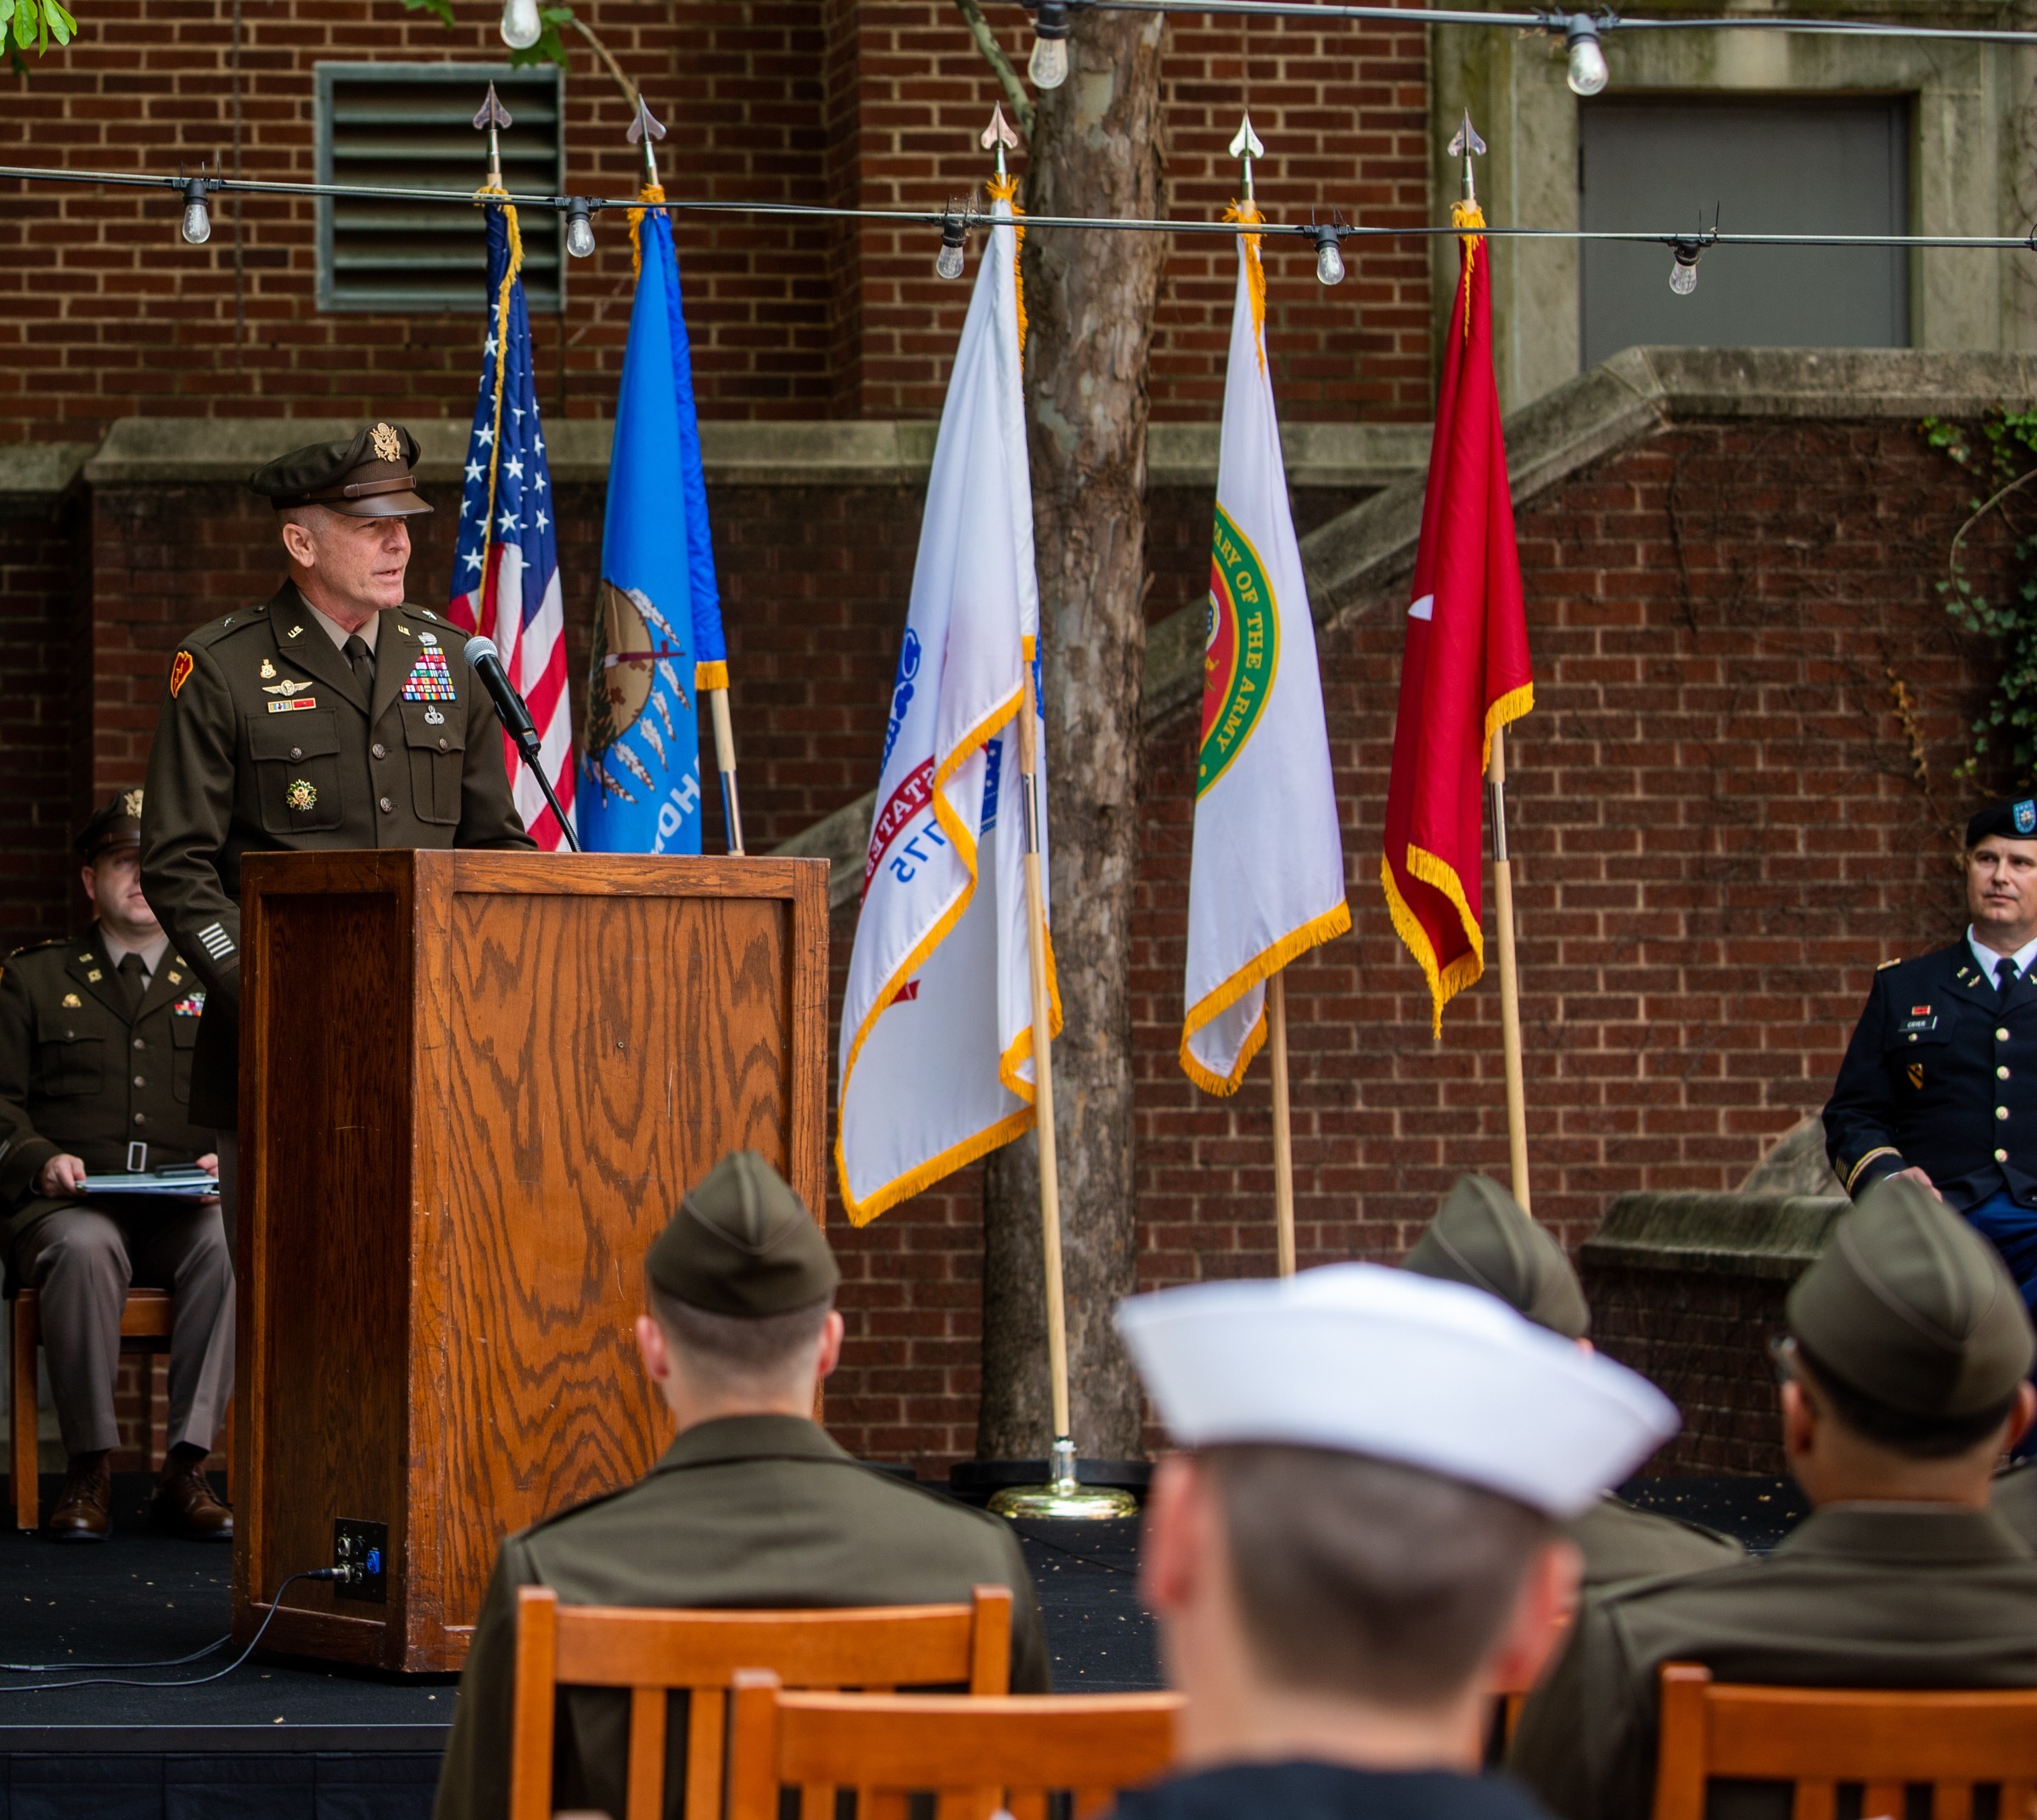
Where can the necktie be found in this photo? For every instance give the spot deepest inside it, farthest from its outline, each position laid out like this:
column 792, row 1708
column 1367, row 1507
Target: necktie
column 360, row 659
column 132, row 973
column 2005, row 974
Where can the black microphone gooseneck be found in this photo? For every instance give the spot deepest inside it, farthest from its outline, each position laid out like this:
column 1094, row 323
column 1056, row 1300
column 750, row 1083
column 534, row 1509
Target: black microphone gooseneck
column 487, row 663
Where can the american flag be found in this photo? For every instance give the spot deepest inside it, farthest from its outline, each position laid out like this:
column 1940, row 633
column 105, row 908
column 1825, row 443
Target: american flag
column 505, row 573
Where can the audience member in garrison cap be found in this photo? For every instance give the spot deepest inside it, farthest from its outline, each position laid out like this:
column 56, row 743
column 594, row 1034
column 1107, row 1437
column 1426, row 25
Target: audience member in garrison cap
column 1903, row 1379
column 1362, row 1541
column 1482, row 1236
column 751, row 1505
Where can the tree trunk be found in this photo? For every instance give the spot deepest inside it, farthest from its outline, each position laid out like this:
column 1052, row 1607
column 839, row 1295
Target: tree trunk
column 1090, row 298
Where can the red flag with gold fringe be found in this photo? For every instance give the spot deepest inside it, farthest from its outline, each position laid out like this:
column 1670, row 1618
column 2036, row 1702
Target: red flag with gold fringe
column 1464, row 671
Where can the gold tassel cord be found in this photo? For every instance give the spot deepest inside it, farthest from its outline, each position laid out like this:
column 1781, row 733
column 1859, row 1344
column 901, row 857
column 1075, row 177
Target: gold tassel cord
column 1468, row 215
column 647, row 199
column 1006, row 189
column 1247, row 214
column 488, row 192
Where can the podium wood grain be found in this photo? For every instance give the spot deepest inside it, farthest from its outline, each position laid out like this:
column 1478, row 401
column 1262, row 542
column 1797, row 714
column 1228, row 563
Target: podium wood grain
column 478, row 1085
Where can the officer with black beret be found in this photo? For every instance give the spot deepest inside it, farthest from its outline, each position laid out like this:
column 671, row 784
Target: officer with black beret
column 1482, row 1236
column 1904, row 1381
column 331, row 714
column 96, row 1037
column 1939, row 1083
column 751, row 1505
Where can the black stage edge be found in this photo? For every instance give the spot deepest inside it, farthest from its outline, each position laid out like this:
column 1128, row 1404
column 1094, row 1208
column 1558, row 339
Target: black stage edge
column 284, row 1740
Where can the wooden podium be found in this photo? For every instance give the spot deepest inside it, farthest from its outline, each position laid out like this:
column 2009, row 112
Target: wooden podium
column 473, row 1087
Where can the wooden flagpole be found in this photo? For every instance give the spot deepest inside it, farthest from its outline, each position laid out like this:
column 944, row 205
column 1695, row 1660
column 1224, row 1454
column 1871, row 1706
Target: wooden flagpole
column 1283, row 1138
column 724, row 759
column 1510, row 984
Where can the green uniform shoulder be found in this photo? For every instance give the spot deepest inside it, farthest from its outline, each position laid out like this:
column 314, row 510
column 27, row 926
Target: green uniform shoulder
column 235, row 625
column 38, row 960
column 49, row 947
column 415, row 619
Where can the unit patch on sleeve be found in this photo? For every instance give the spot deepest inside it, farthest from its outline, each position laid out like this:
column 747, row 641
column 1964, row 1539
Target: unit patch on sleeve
column 430, row 680
column 180, row 672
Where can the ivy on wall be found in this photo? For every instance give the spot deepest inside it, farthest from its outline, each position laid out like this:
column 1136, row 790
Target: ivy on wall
column 2002, row 460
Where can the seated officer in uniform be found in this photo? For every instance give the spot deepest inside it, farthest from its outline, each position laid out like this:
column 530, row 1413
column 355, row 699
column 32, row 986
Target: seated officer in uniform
column 1363, row 1541
column 1939, row 1083
column 96, row 1041
column 752, row 1505
column 1482, row 1236
column 1904, row 1380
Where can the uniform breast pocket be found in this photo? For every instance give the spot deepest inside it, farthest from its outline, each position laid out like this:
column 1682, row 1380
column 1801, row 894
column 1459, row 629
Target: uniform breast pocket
column 69, row 1062
column 1917, row 1038
column 296, row 763
column 184, row 1043
column 435, row 733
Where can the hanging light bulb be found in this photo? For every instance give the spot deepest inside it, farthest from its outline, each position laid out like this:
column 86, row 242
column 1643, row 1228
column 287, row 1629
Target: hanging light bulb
column 1048, row 65
column 1329, row 256
column 521, row 26
column 947, row 263
column 1683, row 268
column 580, row 230
column 1588, row 74
column 198, row 218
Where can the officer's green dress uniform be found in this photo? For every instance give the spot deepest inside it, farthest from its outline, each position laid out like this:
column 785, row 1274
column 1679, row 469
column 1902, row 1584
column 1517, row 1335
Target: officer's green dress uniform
column 1910, row 1309
column 95, row 1063
column 272, row 738
column 759, row 1511
column 1482, row 1236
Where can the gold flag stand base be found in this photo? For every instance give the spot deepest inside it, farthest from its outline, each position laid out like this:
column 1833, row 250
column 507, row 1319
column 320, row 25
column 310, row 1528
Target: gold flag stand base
column 1063, row 1496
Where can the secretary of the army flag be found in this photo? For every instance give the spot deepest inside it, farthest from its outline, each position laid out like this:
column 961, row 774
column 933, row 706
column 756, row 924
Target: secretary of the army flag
column 1266, row 880
column 1464, row 672
column 936, row 1045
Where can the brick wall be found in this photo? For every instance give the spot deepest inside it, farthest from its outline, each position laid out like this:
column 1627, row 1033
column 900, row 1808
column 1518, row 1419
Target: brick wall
column 1717, row 828
column 104, row 312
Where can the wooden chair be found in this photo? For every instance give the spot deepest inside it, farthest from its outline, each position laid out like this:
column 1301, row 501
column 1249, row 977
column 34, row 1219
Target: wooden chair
column 656, row 1653
column 1819, row 1737
column 976, row 1756
column 145, row 1318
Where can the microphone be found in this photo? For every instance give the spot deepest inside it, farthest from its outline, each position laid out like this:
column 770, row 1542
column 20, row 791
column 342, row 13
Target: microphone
column 486, row 660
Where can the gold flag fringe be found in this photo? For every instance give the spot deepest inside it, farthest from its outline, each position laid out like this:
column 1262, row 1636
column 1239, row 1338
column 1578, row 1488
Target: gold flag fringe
column 1247, row 213
column 1468, row 215
column 1006, row 189
column 647, row 198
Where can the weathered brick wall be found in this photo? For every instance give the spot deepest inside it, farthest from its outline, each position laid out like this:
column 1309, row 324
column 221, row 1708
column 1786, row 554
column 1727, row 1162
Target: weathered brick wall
column 1718, row 825
column 869, row 103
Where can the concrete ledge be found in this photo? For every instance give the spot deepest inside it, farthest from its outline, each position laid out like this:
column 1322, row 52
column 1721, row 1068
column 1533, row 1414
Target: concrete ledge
column 40, row 468
column 1774, row 1236
column 206, row 451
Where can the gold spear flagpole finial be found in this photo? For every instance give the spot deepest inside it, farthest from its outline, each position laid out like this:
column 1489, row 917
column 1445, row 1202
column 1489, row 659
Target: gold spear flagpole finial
column 995, row 137
column 1466, row 144
column 491, row 118
column 1244, row 144
column 645, row 131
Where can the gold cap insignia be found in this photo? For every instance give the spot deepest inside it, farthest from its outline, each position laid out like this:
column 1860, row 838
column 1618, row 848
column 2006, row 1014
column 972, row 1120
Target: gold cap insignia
column 131, row 804
column 73, row 1002
column 386, row 446
column 301, row 796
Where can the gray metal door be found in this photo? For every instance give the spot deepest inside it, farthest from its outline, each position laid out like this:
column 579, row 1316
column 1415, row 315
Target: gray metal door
column 1780, row 165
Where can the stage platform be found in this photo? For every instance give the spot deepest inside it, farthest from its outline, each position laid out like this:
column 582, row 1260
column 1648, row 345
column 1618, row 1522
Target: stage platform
column 280, row 1740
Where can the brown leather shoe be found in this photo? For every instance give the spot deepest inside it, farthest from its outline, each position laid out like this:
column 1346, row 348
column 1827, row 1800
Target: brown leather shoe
column 80, row 1512
column 185, row 1503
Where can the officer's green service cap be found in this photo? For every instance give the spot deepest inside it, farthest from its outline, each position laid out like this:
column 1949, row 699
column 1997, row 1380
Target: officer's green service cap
column 743, row 1243
column 117, row 823
column 2017, row 819
column 1483, row 1236
column 370, row 474
column 1911, row 1307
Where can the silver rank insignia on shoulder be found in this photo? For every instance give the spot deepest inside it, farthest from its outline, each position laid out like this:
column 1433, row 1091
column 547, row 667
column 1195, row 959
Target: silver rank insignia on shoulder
column 428, row 614
column 267, row 670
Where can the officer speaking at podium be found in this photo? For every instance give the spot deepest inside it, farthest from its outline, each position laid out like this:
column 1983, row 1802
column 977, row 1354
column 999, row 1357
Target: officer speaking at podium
column 1939, row 1083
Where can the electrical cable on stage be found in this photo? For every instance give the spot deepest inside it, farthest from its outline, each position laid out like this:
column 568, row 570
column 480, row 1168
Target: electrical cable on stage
column 196, row 1681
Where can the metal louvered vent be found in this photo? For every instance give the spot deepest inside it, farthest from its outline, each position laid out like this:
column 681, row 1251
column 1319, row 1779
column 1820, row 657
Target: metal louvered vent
column 411, row 127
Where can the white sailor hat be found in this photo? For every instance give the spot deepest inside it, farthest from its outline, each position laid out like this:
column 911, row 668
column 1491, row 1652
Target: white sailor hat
column 1354, row 1358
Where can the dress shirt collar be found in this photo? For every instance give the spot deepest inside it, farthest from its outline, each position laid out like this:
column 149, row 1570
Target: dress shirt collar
column 1988, row 958
column 338, row 634
column 116, row 952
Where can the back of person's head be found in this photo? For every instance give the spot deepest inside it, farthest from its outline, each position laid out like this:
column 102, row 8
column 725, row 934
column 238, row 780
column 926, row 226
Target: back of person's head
column 1390, row 1456
column 1482, row 1236
column 1908, row 1330
column 741, row 1282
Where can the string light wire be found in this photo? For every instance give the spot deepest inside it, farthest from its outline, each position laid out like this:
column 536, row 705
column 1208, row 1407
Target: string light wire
column 1309, row 232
